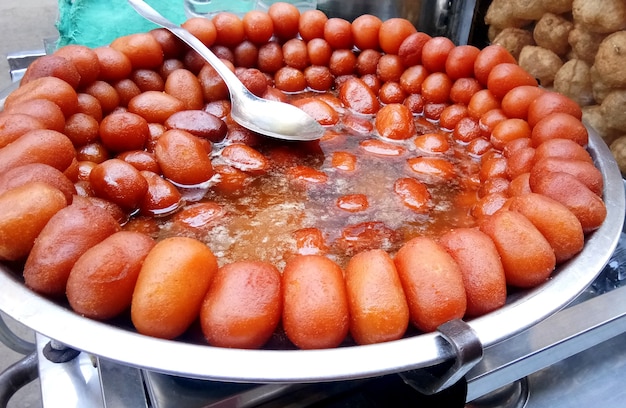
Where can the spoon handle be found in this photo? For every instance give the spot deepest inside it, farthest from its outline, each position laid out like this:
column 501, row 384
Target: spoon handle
column 149, row 13
column 271, row 118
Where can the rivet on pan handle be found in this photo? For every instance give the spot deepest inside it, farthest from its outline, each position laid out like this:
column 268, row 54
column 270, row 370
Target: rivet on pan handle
column 468, row 350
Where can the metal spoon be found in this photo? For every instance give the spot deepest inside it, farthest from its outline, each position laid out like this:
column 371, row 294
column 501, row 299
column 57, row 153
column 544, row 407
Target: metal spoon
column 270, row 118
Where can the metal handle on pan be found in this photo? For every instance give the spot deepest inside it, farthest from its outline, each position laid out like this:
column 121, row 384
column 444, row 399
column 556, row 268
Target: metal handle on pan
column 468, row 350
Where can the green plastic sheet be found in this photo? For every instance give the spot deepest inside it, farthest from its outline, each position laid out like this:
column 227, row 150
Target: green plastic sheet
column 96, row 23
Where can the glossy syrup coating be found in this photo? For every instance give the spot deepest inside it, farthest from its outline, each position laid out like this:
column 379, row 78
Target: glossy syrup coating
column 432, row 152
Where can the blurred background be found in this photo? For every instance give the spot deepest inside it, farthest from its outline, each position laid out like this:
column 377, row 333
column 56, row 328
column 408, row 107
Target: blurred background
column 25, row 23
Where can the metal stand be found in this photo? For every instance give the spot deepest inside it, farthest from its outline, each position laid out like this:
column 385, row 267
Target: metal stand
column 16, row 376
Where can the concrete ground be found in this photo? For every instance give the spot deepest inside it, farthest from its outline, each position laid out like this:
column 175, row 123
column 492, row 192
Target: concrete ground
column 23, row 26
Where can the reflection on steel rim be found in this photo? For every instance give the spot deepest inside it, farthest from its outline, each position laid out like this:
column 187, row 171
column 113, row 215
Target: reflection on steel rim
column 266, row 366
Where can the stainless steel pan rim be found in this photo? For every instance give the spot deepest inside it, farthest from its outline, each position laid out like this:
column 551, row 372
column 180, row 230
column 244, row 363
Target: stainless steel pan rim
column 291, row 366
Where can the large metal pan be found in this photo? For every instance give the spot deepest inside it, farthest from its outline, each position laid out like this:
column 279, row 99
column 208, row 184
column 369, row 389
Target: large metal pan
column 523, row 310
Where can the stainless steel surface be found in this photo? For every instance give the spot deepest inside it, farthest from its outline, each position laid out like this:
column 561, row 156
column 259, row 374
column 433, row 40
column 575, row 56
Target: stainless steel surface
column 190, row 393
column 19, row 61
column 173, row 392
column 468, row 352
column 271, row 118
column 265, row 366
column 122, row 386
column 593, row 377
column 452, row 19
column 383, row 9
column 571, row 359
column 75, row 383
column 563, row 335
column 567, row 360
column 575, row 358
column 13, row 341
column 201, row 361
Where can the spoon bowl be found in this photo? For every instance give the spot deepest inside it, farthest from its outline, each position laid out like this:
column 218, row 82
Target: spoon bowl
column 270, row 118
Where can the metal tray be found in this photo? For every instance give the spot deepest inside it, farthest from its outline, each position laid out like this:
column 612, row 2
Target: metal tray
column 522, row 311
